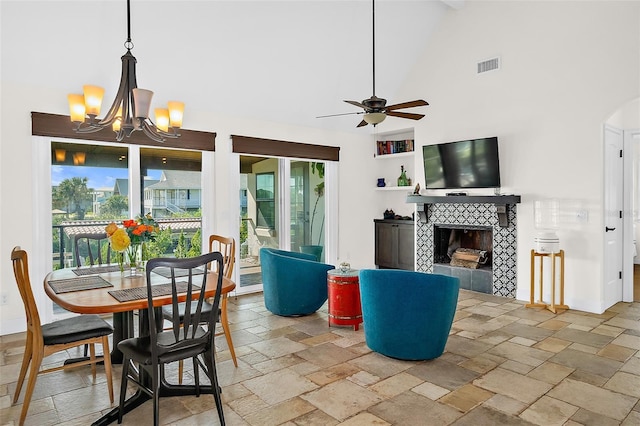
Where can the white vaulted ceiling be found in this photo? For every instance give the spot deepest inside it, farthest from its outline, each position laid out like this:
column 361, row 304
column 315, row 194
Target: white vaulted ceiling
column 283, row 61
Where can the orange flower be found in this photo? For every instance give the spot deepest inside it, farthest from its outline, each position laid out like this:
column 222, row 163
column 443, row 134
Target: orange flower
column 129, row 223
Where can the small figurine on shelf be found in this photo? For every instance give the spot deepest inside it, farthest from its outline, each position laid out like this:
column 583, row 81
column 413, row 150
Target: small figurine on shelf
column 402, row 180
column 416, row 190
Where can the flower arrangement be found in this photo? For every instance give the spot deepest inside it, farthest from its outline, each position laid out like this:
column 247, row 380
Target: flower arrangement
column 131, row 237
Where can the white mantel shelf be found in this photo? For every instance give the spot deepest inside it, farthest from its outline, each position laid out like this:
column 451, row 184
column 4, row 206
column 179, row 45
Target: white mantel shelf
column 500, row 201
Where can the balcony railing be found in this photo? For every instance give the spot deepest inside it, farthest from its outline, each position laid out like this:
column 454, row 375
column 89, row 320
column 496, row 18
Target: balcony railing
column 66, row 231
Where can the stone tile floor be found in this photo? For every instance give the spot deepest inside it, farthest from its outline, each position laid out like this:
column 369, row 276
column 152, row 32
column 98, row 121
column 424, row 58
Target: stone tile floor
column 504, row 365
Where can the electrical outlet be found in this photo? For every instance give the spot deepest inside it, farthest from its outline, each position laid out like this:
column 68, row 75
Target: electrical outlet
column 582, row 216
column 4, row 299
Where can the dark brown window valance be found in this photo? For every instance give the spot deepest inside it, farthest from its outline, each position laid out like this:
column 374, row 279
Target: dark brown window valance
column 60, row 126
column 276, row 148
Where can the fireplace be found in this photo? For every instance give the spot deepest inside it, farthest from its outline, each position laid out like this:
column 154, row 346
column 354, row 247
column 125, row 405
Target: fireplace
column 490, row 222
column 448, row 242
column 451, row 238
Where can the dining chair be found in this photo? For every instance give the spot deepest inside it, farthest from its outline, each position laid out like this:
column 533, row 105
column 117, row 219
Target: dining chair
column 227, row 247
column 186, row 339
column 94, row 244
column 46, row 339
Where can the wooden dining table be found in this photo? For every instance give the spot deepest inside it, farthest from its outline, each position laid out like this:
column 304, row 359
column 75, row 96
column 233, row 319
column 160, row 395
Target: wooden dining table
column 100, row 301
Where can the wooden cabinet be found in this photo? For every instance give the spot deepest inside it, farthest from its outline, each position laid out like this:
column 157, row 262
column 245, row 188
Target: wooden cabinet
column 395, row 248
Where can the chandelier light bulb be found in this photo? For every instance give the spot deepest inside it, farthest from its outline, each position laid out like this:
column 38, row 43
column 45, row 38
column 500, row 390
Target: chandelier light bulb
column 77, row 109
column 117, row 123
column 162, row 119
column 93, row 99
column 176, row 112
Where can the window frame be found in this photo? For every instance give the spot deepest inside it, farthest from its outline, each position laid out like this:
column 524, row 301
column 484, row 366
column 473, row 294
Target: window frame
column 262, row 222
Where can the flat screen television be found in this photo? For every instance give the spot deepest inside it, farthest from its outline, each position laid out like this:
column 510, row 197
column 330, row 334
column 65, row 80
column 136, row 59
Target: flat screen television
column 472, row 163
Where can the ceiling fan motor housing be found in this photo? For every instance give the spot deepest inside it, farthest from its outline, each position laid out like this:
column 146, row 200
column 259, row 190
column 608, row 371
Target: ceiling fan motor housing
column 374, row 104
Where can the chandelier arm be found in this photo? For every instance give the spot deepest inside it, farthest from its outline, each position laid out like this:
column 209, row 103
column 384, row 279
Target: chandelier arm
column 122, row 96
column 150, row 133
column 171, row 134
column 87, row 128
column 156, row 134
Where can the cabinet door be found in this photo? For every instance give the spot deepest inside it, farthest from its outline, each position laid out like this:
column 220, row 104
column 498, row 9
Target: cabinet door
column 385, row 245
column 406, row 249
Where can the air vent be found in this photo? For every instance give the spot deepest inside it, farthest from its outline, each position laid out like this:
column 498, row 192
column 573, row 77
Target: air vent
column 488, row 65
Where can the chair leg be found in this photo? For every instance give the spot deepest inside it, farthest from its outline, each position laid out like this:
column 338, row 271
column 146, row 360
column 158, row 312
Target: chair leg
column 196, row 375
column 36, row 360
column 180, row 371
column 26, row 359
column 225, row 326
column 92, row 357
column 123, row 387
column 155, row 385
column 107, row 365
column 210, row 362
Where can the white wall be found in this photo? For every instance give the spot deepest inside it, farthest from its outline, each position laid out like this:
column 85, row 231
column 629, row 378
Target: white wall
column 566, row 67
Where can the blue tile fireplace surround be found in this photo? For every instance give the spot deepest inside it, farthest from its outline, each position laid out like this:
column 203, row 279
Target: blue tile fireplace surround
column 494, row 215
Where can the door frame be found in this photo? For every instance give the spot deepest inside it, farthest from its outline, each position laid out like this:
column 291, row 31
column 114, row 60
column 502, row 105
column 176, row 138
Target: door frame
column 629, row 137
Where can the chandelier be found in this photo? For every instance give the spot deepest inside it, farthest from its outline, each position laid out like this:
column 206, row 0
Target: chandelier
column 130, row 109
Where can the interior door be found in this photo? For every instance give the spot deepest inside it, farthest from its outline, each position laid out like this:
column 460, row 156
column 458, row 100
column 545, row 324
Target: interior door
column 613, row 205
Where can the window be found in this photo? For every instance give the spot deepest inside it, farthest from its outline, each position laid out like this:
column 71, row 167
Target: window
column 265, row 200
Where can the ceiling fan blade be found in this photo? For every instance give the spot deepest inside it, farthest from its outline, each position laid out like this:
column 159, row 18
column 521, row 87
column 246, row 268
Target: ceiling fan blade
column 358, row 104
column 337, row 115
column 405, row 115
column 411, row 104
column 362, row 124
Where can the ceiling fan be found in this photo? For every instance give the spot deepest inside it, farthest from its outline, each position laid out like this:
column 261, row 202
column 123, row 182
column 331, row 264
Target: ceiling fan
column 375, row 109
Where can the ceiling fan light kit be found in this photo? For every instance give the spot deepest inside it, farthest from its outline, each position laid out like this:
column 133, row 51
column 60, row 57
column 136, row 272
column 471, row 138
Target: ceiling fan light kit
column 374, row 109
column 130, row 109
column 374, row 117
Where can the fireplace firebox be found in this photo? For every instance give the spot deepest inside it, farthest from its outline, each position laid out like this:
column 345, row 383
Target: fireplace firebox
column 450, row 238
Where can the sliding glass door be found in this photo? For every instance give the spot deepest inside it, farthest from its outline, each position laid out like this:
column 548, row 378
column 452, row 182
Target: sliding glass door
column 281, row 206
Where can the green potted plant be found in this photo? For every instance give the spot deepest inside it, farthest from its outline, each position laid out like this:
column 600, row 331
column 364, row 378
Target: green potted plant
column 318, row 190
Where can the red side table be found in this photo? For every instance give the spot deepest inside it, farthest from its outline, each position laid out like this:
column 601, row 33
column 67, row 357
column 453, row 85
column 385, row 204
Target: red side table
column 344, row 297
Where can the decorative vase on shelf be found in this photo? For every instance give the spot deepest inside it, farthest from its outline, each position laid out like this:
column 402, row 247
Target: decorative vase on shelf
column 402, row 180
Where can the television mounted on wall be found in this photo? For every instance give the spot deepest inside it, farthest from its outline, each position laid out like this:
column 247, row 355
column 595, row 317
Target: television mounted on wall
column 472, row 163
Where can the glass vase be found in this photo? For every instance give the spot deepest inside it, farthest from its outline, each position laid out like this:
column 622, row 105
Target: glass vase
column 134, row 252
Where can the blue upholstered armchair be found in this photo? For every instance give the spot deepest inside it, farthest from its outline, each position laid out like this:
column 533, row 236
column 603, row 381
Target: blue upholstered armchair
column 293, row 283
column 407, row 315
